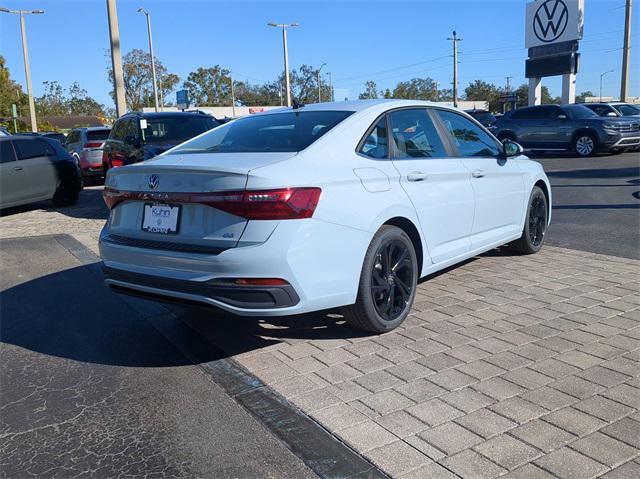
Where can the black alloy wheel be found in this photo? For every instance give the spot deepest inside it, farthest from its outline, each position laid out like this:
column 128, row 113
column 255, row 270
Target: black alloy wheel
column 392, row 279
column 537, row 220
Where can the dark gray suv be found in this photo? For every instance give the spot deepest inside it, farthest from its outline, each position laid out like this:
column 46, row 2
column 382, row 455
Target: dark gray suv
column 567, row 128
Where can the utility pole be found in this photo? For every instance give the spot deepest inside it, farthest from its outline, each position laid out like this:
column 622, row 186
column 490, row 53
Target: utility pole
column 25, row 55
column 233, row 96
column 153, row 61
column 624, row 83
column 160, row 91
column 320, row 83
column 454, row 40
column 508, row 84
column 284, row 27
column 116, row 58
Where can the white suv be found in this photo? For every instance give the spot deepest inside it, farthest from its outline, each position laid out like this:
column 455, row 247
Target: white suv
column 335, row 204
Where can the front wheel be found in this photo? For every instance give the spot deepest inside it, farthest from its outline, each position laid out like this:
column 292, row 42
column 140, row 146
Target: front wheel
column 585, row 145
column 66, row 194
column 388, row 282
column 535, row 226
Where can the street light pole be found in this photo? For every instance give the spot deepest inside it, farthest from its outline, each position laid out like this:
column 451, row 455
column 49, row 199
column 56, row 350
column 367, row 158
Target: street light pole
column 233, row 97
column 331, row 85
column 284, row 27
column 153, row 61
column 25, row 54
column 320, row 83
column 601, row 76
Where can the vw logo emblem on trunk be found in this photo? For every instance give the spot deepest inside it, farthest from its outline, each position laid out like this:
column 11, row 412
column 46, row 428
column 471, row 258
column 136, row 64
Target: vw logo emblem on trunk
column 153, row 182
column 550, row 20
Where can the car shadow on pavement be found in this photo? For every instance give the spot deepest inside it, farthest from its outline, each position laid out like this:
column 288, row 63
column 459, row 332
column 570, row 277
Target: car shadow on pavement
column 70, row 314
column 89, row 206
column 624, row 172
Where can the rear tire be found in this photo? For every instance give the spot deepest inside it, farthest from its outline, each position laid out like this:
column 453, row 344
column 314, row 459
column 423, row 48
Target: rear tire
column 535, row 224
column 388, row 282
column 65, row 195
column 585, row 144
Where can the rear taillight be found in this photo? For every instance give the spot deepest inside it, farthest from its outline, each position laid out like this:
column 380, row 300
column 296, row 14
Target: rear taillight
column 280, row 204
column 260, row 282
column 92, row 145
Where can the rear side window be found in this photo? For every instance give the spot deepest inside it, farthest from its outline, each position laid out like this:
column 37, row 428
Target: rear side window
column 32, row 149
column 291, row 131
column 97, row 135
column 376, row 145
column 415, row 135
column 118, row 130
column 6, row 152
column 469, row 138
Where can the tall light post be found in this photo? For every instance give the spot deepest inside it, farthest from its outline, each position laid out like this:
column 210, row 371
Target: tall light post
column 284, row 27
column 153, row 61
column 331, row 85
column 320, row 83
column 601, row 77
column 25, row 54
column 626, row 52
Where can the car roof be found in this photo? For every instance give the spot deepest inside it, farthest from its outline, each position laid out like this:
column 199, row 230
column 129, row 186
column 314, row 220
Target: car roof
column 165, row 114
column 358, row 105
column 93, row 128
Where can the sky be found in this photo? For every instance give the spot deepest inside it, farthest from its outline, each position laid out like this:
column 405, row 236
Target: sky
column 384, row 41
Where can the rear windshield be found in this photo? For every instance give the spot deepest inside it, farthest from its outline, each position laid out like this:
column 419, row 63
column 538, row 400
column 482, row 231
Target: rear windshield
column 175, row 130
column 277, row 132
column 98, row 134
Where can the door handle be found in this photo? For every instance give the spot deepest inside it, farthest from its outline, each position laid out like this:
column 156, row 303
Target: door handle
column 17, row 168
column 477, row 173
column 417, row 176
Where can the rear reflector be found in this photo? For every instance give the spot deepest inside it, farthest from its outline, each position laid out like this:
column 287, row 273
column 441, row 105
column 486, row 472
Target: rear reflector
column 279, row 204
column 261, row 282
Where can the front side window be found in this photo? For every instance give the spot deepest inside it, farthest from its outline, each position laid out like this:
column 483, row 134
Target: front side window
column 6, row 152
column 469, row 138
column 601, row 110
column 290, row 131
column 377, row 144
column 628, row 110
column 414, row 135
column 30, row 149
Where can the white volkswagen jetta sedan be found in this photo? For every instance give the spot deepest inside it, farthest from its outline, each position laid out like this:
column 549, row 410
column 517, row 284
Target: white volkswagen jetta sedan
column 336, row 204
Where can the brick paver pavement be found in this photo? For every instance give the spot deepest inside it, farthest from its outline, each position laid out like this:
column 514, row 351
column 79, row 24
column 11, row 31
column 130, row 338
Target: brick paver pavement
column 509, row 366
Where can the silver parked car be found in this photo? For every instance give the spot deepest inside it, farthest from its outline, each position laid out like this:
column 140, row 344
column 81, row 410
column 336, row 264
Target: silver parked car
column 35, row 169
column 85, row 145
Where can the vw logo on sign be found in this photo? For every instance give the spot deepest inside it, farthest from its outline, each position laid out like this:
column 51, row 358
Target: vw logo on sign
column 153, row 181
column 550, row 20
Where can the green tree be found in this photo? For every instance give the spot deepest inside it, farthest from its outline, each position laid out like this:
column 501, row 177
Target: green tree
column 371, row 91
column 138, row 79
column 304, row 85
column 417, row 89
column 81, row 104
column 522, row 93
column 581, row 98
column 10, row 93
column 479, row 90
column 209, row 86
column 53, row 101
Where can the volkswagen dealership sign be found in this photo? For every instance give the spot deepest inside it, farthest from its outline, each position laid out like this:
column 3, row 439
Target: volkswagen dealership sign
column 553, row 21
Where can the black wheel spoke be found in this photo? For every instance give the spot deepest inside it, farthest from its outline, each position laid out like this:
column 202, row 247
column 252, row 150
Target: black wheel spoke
column 403, row 256
column 392, row 279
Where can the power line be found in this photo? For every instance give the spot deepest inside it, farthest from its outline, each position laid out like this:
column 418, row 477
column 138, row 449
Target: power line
column 431, row 60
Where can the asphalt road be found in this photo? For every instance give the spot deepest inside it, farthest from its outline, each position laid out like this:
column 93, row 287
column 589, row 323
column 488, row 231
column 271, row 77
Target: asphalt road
column 596, row 203
column 89, row 388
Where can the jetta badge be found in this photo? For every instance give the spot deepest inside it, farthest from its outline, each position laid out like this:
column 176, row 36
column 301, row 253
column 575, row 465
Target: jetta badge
column 153, row 181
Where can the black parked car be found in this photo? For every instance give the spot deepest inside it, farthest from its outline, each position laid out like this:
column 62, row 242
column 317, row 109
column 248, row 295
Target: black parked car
column 568, row 128
column 141, row 136
column 486, row 118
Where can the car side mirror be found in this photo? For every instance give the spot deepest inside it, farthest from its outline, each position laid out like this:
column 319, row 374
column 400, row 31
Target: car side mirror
column 510, row 149
column 611, row 113
column 562, row 116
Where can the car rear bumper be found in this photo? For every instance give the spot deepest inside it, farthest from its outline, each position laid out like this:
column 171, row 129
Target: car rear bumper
column 320, row 261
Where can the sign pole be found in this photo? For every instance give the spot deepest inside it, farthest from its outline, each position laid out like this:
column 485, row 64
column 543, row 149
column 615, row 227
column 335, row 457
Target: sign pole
column 568, row 88
column 535, row 91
